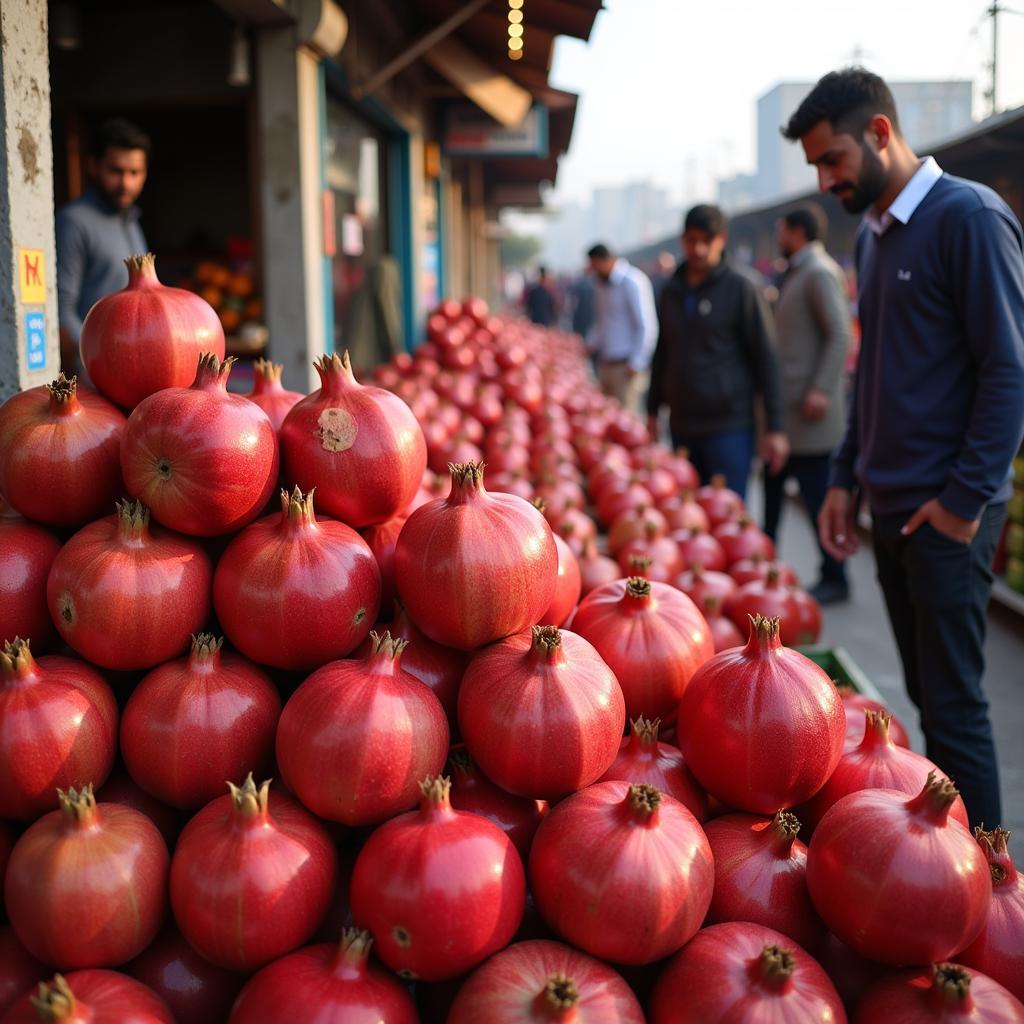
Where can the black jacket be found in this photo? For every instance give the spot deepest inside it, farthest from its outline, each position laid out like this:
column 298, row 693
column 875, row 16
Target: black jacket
column 714, row 354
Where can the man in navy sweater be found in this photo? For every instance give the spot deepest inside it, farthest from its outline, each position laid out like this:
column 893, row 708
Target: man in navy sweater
column 937, row 411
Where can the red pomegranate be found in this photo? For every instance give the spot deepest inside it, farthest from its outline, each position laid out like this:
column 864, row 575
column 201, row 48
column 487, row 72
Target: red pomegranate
column 653, row 638
column 541, row 713
column 210, row 715
column 147, row 337
column 360, row 446
column 297, row 590
column 60, row 453
column 26, row 553
column 126, row 594
column 58, row 724
column 643, row 758
column 202, row 460
column 746, row 710
column 358, row 736
column 270, row 394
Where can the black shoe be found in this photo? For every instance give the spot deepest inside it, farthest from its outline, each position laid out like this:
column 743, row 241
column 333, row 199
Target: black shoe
column 830, row 592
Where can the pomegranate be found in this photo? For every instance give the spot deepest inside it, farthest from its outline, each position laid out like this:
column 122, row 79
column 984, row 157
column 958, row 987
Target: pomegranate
column 147, row 337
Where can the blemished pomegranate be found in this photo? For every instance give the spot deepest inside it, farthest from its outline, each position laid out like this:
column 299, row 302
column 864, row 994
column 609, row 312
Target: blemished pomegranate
column 360, row 447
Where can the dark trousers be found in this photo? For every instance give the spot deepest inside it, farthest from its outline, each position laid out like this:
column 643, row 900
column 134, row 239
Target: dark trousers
column 729, row 453
column 937, row 593
column 811, row 474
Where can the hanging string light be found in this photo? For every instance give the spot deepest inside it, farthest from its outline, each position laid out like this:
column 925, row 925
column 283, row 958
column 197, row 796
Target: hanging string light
column 515, row 29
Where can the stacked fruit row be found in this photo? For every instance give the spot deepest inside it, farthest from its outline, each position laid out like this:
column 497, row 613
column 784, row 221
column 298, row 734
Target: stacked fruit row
column 458, row 827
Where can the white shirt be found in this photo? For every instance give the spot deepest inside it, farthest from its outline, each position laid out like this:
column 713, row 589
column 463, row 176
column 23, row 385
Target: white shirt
column 903, row 206
column 626, row 321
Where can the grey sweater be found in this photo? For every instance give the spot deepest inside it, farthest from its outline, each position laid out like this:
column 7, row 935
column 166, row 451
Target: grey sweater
column 93, row 241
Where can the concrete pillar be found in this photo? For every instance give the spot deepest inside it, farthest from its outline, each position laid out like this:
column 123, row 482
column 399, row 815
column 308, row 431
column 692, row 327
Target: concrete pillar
column 288, row 112
column 29, row 342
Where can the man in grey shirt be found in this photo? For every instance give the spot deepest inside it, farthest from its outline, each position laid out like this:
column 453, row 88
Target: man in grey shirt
column 812, row 325
column 99, row 230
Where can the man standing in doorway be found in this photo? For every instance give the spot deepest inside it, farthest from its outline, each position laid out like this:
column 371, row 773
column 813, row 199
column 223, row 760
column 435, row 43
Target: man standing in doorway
column 938, row 405
column 625, row 325
column 812, row 322
column 714, row 357
column 97, row 232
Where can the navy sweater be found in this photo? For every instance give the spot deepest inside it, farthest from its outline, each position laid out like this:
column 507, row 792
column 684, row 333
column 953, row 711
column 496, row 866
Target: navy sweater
column 938, row 404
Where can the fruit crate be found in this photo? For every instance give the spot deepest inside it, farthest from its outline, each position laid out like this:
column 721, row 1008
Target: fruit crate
column 836, row 661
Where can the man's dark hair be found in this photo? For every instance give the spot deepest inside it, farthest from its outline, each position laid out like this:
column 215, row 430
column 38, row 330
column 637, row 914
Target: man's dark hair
column 542, row 271
column 117, row 133
column 705, row 217
column 599, row 252
column 811, row 220
column 847, row 99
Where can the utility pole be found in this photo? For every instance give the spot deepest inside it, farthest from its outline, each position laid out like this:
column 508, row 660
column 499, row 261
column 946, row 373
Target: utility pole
column 993, row 12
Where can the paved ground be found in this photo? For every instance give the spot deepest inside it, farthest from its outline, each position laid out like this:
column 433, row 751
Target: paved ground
column 861, row 626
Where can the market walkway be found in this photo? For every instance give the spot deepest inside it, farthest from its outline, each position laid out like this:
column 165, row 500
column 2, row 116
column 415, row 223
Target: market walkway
column 862, row 628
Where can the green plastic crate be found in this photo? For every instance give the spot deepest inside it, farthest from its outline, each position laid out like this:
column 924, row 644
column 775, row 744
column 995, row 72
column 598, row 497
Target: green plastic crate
column 837, row 662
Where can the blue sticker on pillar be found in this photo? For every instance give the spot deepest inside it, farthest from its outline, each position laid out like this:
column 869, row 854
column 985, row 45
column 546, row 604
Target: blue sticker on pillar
column 35, row 340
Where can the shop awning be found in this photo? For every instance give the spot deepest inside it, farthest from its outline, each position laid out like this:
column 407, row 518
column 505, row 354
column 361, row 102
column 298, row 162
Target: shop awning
column 517, row 181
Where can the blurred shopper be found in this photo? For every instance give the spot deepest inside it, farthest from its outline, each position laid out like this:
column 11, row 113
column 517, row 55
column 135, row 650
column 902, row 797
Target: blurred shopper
column 665, row 268
column 714, row 356
column 584, row 301
column 540, row 301
column 812, row 324
column 625, row 325
column 938, row 405
column 98, row 231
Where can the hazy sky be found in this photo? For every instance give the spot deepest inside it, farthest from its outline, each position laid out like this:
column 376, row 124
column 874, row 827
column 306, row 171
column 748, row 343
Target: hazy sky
column 668, row 87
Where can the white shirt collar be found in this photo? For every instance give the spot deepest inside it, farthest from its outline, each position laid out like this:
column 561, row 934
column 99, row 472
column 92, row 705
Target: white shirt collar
column 909, row 199
column 619, row 271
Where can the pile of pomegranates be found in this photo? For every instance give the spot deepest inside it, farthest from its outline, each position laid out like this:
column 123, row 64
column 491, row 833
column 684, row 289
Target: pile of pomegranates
column 448, row 695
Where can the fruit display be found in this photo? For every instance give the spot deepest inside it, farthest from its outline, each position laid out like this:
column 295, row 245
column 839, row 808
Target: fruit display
column 448, row 695
column 1013, row 539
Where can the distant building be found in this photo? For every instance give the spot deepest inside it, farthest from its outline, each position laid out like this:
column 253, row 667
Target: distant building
column 624, row 217
column 929, row 112
column 737, row 192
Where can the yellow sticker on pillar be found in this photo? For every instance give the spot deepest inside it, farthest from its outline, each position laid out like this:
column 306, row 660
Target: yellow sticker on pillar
column 32, row 276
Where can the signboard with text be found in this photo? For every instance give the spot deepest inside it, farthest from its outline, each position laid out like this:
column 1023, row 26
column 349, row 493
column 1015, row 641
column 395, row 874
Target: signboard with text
column 35, row 341
column 32, row 277
column 468, row 131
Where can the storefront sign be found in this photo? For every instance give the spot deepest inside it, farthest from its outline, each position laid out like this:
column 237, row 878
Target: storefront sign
column 35, row 340
column 468, row 131
column 32, row 276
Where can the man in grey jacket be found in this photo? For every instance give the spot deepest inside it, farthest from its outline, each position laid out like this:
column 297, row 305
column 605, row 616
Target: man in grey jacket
column 812, row 321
